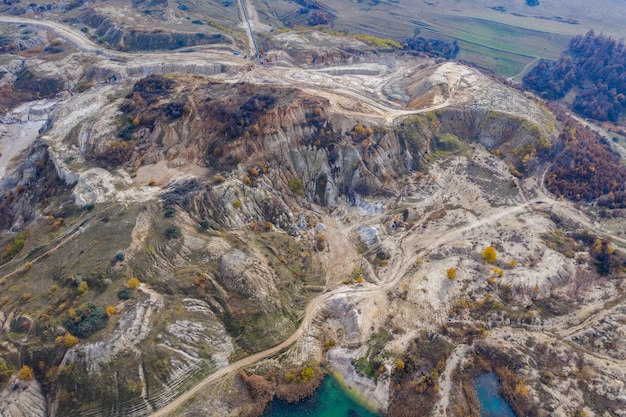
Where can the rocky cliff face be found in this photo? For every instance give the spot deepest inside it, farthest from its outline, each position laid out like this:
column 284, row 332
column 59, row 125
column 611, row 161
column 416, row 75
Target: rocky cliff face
column 30, row 189
column 143, row 39
column 236, row 203
column 237, row 255
column 269, row 147
column 22, row 398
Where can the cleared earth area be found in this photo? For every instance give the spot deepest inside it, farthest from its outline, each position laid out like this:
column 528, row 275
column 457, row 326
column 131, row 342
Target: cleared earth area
column 328, row 202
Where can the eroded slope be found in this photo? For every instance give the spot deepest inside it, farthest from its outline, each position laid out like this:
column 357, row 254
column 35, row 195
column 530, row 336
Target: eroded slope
column 322, row 204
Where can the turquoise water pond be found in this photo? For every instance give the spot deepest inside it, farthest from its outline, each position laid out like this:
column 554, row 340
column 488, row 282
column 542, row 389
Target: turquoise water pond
column 492, row 404
column 330, row 400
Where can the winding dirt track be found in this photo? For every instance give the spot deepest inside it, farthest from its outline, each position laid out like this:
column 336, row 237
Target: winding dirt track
column 75, row 37
column 399, row 269
column 399, row 266
column 338, row 95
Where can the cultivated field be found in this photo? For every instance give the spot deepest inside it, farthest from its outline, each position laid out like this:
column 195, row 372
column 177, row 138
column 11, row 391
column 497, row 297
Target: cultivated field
column 502, row 36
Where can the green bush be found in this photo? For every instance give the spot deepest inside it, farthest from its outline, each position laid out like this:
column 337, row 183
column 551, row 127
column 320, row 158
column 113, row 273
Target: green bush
column 5, row 369
column 16, row 246
column 296, row 185
column 205, row 223
column 125, row 294
column 307, row 374
column 90, row 317
column 169, row 212
column 173, row 232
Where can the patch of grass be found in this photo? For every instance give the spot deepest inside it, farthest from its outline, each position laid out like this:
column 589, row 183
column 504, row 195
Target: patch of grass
column 560, row 242
column 15, row 246
column 369, row 365
column 173, row 232
column 296, row 186
column 378, row 42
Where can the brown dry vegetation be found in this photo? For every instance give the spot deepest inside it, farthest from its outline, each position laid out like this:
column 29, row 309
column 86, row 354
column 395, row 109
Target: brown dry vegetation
column 27, row 87
column 507, row 368
column 586, row 168
column 297, row 390
column 261, row 392
column 415, row 386
column 233, row 118
column 290, row 385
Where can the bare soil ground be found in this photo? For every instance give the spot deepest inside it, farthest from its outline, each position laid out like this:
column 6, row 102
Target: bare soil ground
column 465, row 203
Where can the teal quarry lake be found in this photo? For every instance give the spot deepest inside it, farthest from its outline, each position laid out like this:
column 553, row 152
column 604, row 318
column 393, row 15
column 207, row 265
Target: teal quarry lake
column 492, row 404
column 330, row 400
column 333, row 400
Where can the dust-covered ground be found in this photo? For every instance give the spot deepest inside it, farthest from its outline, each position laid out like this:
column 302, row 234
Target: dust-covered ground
column 403, row 301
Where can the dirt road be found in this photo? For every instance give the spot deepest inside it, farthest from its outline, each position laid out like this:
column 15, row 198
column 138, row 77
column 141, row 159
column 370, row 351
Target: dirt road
column 398, row 269
column 341, row 97
column 76, row 38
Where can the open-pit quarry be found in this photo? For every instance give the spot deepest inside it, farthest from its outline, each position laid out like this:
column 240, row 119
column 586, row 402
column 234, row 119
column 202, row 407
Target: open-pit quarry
column 330, row 204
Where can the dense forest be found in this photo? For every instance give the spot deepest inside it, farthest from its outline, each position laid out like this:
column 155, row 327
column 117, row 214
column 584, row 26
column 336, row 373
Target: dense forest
column 595, row 66
column 432, row 46
column 585, row 168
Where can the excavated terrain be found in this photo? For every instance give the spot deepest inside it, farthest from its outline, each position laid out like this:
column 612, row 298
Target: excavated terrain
column 194, row 232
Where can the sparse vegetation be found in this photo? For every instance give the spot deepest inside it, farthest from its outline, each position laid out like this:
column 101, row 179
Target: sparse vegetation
column 415, row 386
column 83, row 287
column 133, row 283
column 66, row 341
column 297, row 384
column 360, row 133
column 378, row 42
column 296, row 186
column 490, row 254
column 26, row 373
column 173, row 232
column 451, row 273
column 369, row 365
column 16, row 245
column 169, row 212
column 205, row 223
column 5, row 370
column 320, row 242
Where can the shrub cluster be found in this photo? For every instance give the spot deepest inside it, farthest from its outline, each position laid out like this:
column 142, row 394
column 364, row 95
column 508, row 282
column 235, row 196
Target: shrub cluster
column 88, row 319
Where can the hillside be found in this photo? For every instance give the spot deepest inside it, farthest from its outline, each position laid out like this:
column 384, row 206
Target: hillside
column 593, row 68
column 193, row 232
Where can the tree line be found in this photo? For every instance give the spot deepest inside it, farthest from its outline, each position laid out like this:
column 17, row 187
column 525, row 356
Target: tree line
column 584, row 168
column 437, row 47
column 593, row 65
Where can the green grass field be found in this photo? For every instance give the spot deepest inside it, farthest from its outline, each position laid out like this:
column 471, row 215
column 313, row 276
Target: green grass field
column 495, row 45
column 502, row 36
